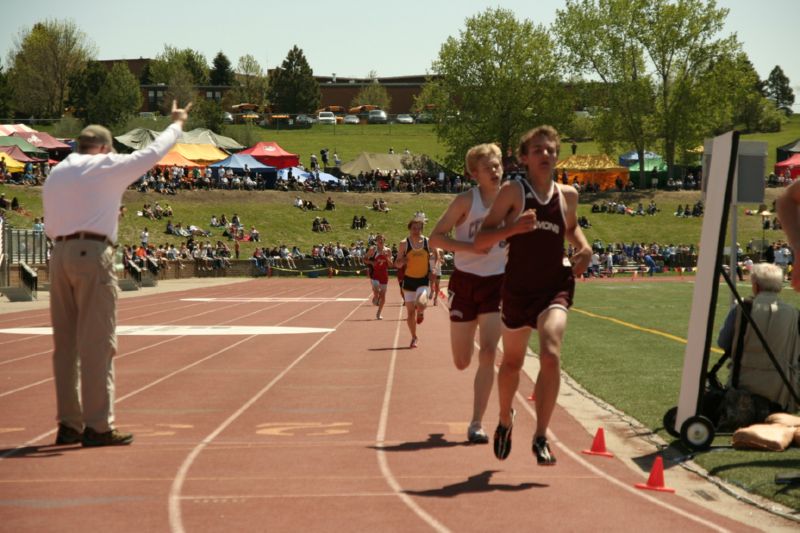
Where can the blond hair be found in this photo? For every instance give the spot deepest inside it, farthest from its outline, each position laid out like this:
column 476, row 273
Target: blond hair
column 549, row 132
column 478, row 152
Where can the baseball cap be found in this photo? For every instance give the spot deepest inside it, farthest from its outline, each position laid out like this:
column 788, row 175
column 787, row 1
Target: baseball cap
column 96, row 135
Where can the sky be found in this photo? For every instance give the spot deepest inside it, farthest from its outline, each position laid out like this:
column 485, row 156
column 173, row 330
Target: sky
column 350, row 38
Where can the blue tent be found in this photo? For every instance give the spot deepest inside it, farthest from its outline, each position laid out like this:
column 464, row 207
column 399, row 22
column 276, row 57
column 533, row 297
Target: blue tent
column 302, row 175
column 631, row 158
column 237, row 162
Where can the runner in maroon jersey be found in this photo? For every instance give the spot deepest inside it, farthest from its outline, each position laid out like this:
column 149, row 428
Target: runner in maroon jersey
column 534, row 216
column 378, row 258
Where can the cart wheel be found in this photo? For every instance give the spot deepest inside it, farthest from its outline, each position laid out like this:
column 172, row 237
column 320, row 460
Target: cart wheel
column 697, row 432
column 669, row 422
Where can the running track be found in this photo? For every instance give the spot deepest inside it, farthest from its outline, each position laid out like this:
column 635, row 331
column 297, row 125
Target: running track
column 340, row 430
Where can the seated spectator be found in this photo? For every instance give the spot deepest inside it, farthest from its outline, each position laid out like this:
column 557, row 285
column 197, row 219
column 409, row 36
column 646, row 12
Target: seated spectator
column 286, row 257
column 235, row 220
column 316, row 225
column 375, row 205
column 170, row 230
column 356, row 224
column 363, row 222
column 382, row 207
column 254, row 235
column 679, row 211
column 299, row 203
column 311, row 206
column 4, row 203
column 214, row 222
column 330, row 205
column 296, row 253
column 325, row 224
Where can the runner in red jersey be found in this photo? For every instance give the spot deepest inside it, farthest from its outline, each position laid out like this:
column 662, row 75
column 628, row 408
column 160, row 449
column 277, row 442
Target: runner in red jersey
column 534, row 216
column 378, row 258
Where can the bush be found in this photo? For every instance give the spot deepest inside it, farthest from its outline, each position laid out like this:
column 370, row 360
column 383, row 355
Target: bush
column 771, row 119
column 67, row 127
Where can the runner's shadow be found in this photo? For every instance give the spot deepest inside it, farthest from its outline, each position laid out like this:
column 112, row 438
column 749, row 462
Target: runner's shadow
column 37, row 452
column 474, row 484
column 435, row 440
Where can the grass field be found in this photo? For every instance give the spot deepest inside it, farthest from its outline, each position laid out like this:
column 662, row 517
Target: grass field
column 639, row 372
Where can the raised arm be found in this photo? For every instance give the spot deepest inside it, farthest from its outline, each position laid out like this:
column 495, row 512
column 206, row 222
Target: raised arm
column 505, row 218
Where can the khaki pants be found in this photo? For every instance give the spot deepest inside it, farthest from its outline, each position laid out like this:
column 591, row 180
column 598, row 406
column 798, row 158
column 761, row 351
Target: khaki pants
column 83, row 309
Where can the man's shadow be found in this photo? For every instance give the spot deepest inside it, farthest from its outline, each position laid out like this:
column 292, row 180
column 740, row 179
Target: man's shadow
column 435, row 440
column 474, row 484
column 44, row 450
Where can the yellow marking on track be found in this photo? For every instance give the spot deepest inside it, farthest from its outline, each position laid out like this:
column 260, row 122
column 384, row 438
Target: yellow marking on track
column 639, row 328
column 311, row 429
column 11, row 430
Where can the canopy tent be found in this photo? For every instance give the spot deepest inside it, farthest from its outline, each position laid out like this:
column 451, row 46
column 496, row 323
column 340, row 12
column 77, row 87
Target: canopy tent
column 8, row 129
column 23, row 145
column 17, row 153
column 649, row 165
column 200, row 153
column 368, row 161
column 787, row 150
column 138, row 138
column 595, row 169
column 12, row 164
column 174, row 158
column 42, row 140
column 792, row 165
column 237, row 163
column 302, row 175
column 631, row 158
column 270, row 153
column 205, row 136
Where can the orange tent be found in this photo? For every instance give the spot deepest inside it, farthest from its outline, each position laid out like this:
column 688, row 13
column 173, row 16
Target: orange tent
column 173, row 158
column 595, row 169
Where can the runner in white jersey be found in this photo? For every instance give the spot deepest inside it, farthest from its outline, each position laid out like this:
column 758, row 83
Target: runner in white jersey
column 475, row 285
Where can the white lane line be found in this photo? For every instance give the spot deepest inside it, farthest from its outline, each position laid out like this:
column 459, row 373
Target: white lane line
column 380, row 440
column 174, row 498
column 184, row 330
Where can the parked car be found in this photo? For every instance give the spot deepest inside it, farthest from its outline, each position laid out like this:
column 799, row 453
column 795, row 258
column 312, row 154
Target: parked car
column 425, row 117
column 351, row 119
column 304, row 119
column 405, row 119
column 377, row 116
column 227, row 118
column 326, row 117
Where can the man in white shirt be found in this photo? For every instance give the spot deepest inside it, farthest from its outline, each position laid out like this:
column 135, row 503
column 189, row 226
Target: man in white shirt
column 81, row 201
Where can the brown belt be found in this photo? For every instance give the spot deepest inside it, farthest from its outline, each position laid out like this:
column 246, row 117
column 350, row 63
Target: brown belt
column 85, row 235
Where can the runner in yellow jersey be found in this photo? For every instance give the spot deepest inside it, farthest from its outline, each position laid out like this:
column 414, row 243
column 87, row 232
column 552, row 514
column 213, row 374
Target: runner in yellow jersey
column 414, row 254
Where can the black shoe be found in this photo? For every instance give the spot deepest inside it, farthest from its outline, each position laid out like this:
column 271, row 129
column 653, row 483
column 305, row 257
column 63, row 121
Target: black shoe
column 542, row 452
column 502, row 439
column 109, row 438
column 67, row 435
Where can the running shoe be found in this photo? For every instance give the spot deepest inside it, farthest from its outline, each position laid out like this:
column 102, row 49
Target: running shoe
column 378, row 316
column 502, row 439
column 476, row 434
column 542, row 452
column 375, row 301
column 420, row 317
column 413, row 343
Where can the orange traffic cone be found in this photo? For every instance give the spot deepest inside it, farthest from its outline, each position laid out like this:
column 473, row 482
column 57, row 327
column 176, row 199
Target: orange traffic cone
column 599, row 445
column 532, row 397
column 656, row 479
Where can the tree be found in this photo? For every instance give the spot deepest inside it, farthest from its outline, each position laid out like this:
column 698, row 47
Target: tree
column 373, row 93
column 221, row 73
column 658, row 59
column 165, row 66
column 779, row 89
column 493, row 82
column 292, row 87
column 180, row 88
column 43, row 59
column 207, row 114
column 84, row 86
column 118, row 99
column 6, row 95
column 251, row 82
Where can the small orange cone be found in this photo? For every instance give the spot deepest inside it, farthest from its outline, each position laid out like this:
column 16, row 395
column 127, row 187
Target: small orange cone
column 656, row 479
column 532, row 397
column 635, row 275
column 599, row 445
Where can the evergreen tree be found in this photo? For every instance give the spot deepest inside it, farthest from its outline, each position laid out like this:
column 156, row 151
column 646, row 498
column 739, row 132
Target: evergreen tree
column 779, row 89
column 118, row 99
column 292, row 87
column 221, row 73
column 6, row 95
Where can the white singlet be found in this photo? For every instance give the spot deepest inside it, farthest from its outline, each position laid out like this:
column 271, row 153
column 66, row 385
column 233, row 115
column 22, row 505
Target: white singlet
column 484, row 265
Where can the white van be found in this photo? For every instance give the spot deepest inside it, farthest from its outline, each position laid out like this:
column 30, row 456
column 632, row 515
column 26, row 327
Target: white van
column 326, row 117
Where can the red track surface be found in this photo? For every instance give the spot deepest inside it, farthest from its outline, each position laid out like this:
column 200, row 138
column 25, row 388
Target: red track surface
column 340, row 431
